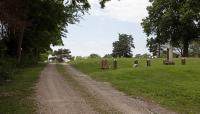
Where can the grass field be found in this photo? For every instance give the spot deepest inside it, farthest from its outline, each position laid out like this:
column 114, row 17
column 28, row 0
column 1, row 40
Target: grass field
column 16, row 96
column 175, row 87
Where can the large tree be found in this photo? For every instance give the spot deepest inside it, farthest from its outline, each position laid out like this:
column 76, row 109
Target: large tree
column 28, row 27
column 122, row 47
column 173, row 21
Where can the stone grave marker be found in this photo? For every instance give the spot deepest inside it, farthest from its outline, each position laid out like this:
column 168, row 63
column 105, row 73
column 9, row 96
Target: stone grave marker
column 115, row 64
column 136, row 63
column 169, row 60
column 183, row 61
column 148, row 62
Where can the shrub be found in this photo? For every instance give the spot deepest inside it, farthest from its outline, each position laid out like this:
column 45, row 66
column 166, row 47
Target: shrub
column 7, row 68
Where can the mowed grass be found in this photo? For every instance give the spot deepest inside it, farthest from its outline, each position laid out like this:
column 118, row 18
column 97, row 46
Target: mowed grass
column 17, row 95
column 175, row 87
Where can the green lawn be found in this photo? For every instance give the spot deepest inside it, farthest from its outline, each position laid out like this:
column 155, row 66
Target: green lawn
column 175, row 87
column 17, row 96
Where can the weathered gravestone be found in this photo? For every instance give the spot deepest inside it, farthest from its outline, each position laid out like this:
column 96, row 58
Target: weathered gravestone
column 169, row 60
column 148, row 62
column 183, row 61
column 135, row 63
column 104, row 64
column 115, row 64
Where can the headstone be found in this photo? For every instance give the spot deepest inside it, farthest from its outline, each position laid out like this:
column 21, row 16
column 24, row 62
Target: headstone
column 148, row 62
column 115, row 64
column 135, row 63
column 183, row 61
column 106, row 65
column 164, row 61
column 169, row 60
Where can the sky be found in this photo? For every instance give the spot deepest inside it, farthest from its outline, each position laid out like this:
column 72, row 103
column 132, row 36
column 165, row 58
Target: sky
column 96, row 32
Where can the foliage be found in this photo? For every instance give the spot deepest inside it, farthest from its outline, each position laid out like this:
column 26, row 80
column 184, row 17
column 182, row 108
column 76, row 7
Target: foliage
column 79, row 57
column 108, row 56
column 155, row 47
column 173, row 21
column 93, row 55
column 16, row 96
column 62, row 53
column 174, row 87
column 122, row 47
column 29, row 27
column 195, row 49
column 7, row 70
column 43, row 57
column 102, row 3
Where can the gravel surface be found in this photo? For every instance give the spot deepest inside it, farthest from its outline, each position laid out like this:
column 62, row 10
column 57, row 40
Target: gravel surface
column 73, row 92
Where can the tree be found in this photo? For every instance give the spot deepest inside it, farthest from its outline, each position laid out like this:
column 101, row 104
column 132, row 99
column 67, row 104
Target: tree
column 195, row 49
column 62, row 53
column 13, row 22
column 29, row 27
column 155, row 46
column 173, row 21
column 93, row 55
column 122, row 47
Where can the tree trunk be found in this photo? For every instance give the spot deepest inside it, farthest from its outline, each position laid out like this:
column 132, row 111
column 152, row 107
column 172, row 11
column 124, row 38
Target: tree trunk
column 19, row 46
column 36, row 55
column 185, row 49
column 159, row 50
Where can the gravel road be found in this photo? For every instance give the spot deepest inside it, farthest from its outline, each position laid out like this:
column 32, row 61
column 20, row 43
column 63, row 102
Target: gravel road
column 73, row 92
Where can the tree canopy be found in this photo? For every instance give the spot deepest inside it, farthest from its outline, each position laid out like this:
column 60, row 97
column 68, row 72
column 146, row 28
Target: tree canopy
column 155, row 46
column 28, row 27
column 173, row 21
column 122, row 47
column 62, row 54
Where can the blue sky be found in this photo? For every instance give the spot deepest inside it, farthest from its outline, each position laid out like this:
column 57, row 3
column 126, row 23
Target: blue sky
column 98, row 30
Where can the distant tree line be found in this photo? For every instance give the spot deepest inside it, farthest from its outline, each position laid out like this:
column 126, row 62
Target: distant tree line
column 93, row 55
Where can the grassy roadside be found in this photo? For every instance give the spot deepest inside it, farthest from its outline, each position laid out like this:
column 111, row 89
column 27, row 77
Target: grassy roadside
column 174, row 87
column 16, row 96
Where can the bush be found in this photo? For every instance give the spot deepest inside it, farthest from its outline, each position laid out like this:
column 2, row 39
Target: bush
column 28, row 60
column 7, row 68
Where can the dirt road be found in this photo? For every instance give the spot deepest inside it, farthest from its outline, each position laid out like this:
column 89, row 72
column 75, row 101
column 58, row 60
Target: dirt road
column 75, row 93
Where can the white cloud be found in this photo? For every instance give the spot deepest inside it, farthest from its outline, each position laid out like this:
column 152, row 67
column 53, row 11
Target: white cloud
column 124, row 10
